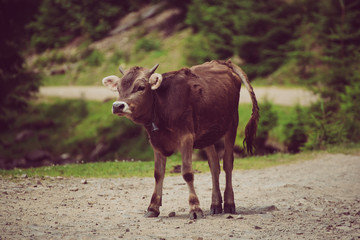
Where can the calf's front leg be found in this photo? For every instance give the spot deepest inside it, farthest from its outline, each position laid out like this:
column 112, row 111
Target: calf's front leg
column 188, row 175
column 159, row 174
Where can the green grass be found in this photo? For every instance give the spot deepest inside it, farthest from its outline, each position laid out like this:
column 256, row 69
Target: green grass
column 136, row 168
column 125, row 169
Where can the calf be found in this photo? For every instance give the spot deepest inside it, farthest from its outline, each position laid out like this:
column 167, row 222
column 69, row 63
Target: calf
column 185, row 109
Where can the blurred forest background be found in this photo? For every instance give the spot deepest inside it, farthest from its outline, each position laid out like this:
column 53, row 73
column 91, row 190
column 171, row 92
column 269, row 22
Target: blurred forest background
column 304, row 43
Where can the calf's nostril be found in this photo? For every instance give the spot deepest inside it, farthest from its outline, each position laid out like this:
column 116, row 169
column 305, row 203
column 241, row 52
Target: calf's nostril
column 119, row 106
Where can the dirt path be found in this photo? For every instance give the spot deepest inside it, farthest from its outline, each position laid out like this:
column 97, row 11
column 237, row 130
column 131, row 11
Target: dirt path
column 317, row 199
column 281, row 96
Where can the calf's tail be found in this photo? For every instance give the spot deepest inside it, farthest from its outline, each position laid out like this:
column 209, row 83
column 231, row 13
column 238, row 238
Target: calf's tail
column 251, row 127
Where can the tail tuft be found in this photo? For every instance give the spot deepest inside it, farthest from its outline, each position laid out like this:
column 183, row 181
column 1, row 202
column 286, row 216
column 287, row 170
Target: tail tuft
column 251, row 127
column 250, row 132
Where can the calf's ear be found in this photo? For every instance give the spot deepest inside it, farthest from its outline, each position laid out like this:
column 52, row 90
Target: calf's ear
column 111, row 82
column 155, row 81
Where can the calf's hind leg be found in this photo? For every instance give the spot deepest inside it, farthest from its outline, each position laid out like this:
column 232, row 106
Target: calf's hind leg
column 228, row 163
column 216, row 199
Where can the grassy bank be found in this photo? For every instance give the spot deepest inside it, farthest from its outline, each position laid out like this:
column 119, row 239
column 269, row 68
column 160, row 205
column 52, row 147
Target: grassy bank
column 145, row 169
column 74, row 127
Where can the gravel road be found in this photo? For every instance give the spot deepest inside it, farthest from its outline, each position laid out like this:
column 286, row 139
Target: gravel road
column 314, row 199
column 277, row 95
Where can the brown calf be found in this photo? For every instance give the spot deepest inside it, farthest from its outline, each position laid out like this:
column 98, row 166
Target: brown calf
column 181, row 110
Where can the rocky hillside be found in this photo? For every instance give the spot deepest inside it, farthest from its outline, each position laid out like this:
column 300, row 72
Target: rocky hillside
column 154, row 34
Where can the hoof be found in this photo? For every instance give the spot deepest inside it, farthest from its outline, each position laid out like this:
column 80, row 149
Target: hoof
column 229, row 208
column 216, row 209
column 151, row 214
column 195, row 214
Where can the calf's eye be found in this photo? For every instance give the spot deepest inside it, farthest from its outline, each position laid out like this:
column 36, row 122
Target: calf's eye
column 140, row 88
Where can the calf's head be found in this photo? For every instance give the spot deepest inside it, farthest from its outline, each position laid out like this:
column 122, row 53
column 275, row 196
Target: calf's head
column 135, row 91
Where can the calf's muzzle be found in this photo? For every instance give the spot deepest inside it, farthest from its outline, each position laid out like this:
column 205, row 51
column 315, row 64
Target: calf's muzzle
column 120, row 107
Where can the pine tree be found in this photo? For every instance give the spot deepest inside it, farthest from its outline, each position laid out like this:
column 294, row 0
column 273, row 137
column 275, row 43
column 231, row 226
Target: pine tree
column 257, row 31
column 331, row 65
column 16, row 83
